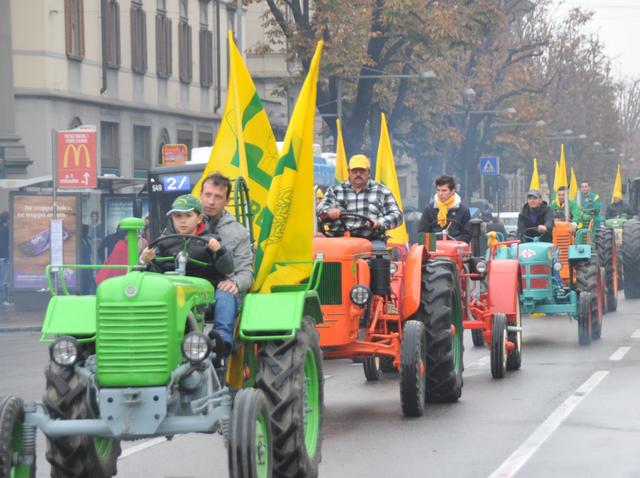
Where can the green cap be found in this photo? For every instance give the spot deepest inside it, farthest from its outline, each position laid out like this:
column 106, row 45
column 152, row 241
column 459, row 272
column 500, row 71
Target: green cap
column 186, row 203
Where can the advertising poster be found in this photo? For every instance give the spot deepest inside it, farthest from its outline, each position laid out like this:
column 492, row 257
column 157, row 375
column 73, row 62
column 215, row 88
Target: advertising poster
column 32, row 241
column 77, row 158
column 115, row 210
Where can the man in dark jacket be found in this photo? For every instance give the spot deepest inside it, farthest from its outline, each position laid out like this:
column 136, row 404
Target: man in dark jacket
column 535, row 219
column 446, row 211
column 618, row 208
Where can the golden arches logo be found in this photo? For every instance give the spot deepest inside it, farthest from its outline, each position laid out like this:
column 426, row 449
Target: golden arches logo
column 76, row 151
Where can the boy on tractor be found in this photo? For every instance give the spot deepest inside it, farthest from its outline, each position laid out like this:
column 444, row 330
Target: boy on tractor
column 360, row 205
column 209, row 259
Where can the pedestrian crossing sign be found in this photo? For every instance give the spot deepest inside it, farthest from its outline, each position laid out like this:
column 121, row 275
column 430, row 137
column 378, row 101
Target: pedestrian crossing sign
column 489, row 165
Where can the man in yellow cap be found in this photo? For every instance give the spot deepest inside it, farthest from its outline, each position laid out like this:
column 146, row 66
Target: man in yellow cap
column 362, row 196
column 618, row 208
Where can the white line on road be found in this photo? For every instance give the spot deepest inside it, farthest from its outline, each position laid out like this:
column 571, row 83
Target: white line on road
column 620, row 353
column 518, row 458
column 480, row 363
column 636, row 334
column 142, row 446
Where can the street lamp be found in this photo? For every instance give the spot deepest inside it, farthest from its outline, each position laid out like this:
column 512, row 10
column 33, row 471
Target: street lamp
column 424, row 75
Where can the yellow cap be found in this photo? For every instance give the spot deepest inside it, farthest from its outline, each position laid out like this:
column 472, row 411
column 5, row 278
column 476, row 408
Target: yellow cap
column 319, row 194
column 359, row 161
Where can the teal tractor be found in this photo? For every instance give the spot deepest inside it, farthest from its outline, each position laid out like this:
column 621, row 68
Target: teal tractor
column 134, row 362
column 579, row 294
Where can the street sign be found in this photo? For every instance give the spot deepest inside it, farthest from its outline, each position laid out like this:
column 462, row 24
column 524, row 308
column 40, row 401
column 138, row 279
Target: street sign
column 174, row 154
column 489, row 165
column 77, row 158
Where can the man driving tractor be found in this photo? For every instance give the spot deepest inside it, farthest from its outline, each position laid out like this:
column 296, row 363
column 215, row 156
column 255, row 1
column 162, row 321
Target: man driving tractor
column 535, row 219
column 446, row 212
column 347, row 204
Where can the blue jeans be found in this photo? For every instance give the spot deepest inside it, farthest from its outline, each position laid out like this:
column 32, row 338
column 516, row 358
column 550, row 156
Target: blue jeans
column 4, row 280
column 226, row 309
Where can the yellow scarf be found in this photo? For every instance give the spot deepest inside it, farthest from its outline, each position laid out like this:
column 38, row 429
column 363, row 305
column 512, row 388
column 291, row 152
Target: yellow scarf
column 443, row 209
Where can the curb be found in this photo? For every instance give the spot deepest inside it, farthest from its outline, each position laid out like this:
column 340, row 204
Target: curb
column 8, row 330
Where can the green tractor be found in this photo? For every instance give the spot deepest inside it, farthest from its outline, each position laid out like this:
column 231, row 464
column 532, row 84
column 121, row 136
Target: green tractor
column 134, row 362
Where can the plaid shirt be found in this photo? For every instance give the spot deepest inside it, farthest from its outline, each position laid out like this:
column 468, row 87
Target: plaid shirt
column 375, row 201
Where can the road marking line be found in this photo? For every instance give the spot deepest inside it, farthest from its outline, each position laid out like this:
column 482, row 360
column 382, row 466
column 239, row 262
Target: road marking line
column 636, row 334
column 620, row 353
column 518, row 458
column 142, row 446
column 480, row 363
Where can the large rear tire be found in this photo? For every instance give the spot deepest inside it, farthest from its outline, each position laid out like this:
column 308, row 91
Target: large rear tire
column 66, row 398
column 631, row 258
column 290, row 375
column 11, row 419
column 440, row 309
column 250, row 445
column 608, row 258
column 412, row 369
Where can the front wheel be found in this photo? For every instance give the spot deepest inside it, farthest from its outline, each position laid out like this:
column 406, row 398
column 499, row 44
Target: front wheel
column 584, row 318
column 371, row 366
column 412, row 369
column 66, row 398
column 11, row 450
column 250, row 446
column 290, row 375
column 499, row 346
column 477, row 338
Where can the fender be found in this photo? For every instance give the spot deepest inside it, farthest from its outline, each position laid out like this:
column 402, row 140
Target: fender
column 412, row 282
column 73, row 315
column 277, row 315
column 502, row 278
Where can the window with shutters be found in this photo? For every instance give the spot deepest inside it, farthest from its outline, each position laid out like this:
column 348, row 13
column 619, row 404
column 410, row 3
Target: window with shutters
column 184, row 45
column 163, row 43
column 112, row 36
column 109, row 147
column 138, row 38
column 74, row 29
column 141, row 147
column 206, row 47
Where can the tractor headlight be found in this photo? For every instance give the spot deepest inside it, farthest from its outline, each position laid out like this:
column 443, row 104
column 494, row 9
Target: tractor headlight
column 393, row 268
column 360, row 295
column 64, row 351
column 196, row 347
column 557, row 266
column 481, row 267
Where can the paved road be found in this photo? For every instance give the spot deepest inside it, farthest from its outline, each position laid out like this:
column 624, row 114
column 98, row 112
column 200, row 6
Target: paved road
column 570, row 411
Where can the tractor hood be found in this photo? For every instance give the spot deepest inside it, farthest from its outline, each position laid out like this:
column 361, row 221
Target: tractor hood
column 536, row 253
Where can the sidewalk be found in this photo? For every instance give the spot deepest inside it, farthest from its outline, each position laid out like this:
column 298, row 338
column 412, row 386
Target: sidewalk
column 12, row 320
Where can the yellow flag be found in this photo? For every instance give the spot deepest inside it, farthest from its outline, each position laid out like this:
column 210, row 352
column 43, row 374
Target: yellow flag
column 386, row 174
column 573, row 187
column 562, row 181
column 245, row 145
column 556, row 178
column 617, row 185
column 287, row 229
column 342, row 171
column 535, row 180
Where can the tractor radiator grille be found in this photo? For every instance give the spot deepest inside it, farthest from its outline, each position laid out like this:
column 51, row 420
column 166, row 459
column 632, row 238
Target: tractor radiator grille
column 536, row 282
column 330, row 290
column 563, row 243
column 133, row 339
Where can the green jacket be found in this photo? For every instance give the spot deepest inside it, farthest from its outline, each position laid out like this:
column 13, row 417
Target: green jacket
column 558, row 211
column 591, row 209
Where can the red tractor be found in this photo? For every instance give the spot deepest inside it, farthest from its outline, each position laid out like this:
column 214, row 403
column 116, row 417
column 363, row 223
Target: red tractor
column 399, row 311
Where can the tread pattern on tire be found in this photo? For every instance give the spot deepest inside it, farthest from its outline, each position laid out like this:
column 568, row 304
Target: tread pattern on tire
column 11, row 411
column 73, row 456
column 631, row 258
column 605, row 246
column 443, row 381
column 587, row 281
column 412, row 388
column 281, row 378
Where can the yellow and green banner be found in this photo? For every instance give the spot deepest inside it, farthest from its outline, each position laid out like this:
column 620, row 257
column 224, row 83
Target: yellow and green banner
column 245, row 144
column 617, row 186
column 535, row 179
column 342, row 171
column 289, row 215
column 573, row 186
column 386, row 174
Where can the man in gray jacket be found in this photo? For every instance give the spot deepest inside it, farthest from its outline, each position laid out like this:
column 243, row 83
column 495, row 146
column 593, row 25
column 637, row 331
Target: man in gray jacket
column 214, row 195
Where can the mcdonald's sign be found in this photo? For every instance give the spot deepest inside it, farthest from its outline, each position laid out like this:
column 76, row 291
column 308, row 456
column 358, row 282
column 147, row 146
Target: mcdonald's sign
column 77, row 158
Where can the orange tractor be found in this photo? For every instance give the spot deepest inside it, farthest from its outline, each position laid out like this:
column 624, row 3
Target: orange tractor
column 399, row 311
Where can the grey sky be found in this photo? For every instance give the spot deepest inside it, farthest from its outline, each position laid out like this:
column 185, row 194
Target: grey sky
column 617, row 23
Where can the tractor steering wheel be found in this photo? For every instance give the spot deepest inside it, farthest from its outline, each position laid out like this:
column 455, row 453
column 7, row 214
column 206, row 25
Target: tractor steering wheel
column 445, row 229
column 532, row 238
column 184, row 237
column 367, row 226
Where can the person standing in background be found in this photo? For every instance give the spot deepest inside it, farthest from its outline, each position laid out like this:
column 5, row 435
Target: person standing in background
column 95, row 235
column 4, row 259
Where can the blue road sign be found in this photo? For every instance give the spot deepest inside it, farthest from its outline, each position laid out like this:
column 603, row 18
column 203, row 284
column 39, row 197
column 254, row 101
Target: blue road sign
column 489, row 165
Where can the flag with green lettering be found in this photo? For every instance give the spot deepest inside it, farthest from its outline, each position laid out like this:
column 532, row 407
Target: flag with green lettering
column 245, row 144
column 288, row 219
